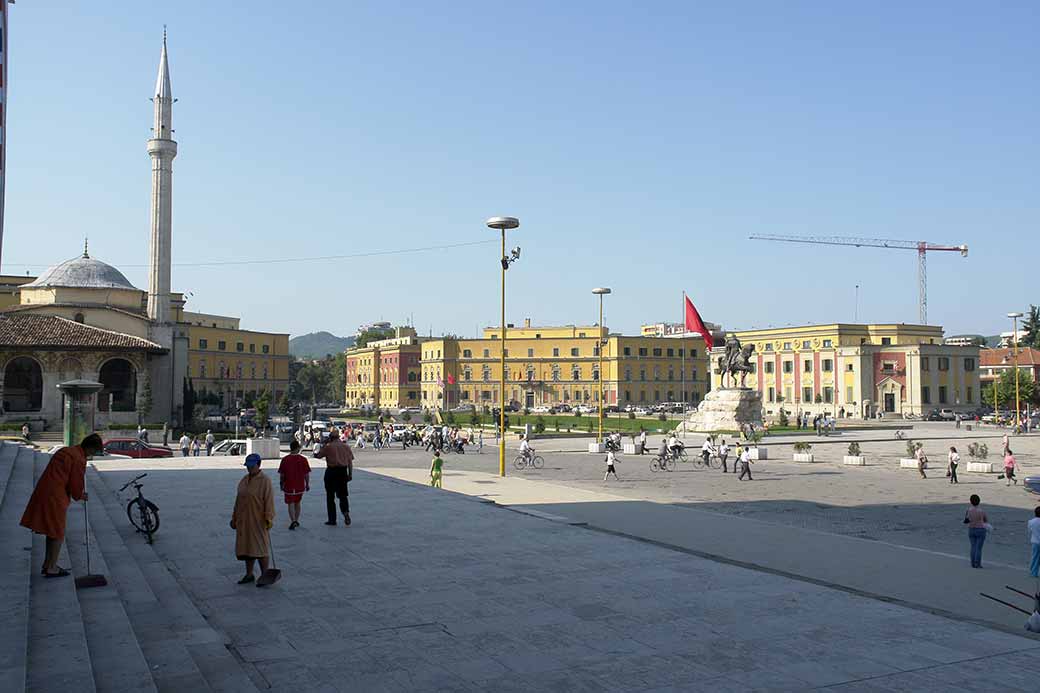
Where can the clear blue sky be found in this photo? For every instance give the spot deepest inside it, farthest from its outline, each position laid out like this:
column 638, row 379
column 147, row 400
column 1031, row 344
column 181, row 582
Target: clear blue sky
column 639, row 144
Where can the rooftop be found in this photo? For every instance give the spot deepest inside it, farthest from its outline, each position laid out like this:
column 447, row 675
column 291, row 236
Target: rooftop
column 83, row 272
column 53, row 332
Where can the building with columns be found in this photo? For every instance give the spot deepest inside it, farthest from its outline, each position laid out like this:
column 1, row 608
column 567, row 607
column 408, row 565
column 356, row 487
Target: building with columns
column 82, row 319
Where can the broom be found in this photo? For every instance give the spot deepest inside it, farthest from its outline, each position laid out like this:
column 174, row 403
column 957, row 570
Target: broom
column 272, row 574
column 89, row 580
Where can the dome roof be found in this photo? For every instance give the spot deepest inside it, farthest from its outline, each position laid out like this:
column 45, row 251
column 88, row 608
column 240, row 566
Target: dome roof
column 83, row 272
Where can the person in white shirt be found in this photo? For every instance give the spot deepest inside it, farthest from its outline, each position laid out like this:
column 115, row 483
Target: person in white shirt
column 210, row 440
column 706, row 451
column 674, row 446
column 954, row 460
column 611, row 459
column 642, row 441
column 745, row 465
column 1033, row 528
column 525, row 448
column 185, row 443
column 723, row 454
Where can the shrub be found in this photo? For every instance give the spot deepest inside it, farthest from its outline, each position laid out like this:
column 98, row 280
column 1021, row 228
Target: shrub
column 853, row 449
column 539, row 425
column 474, row 419
column 912, row 447
column 450, row 418
column 978, row 451
column 783, row 420
column 662, row 417
column 556, row 423
column 427, row 417
column 406, row 416
column 631, row 415
column 756, row 436
column 802, row 447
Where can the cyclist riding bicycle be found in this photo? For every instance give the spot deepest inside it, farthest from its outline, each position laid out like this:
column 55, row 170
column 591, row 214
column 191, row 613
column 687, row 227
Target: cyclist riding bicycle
column 675, row 446
column 662, row 450
column 525, row 448
column 706, row 451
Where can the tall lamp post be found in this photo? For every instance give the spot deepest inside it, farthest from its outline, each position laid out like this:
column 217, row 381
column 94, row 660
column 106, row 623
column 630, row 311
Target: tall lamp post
column 502, row 224
column 1014, row 338
column 601, row 342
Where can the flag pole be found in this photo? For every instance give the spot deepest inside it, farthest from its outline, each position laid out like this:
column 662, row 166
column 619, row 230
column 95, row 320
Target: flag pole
column 682, row 350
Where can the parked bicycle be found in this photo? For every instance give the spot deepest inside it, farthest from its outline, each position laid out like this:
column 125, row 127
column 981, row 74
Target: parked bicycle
column 532, row 460
column 142, row 513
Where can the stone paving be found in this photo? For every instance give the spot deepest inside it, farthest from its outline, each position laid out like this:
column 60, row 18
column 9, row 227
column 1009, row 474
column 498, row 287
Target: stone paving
column 431, row 590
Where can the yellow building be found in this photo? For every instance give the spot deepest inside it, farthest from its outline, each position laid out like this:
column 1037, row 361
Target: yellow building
column 859, row 370
column 560, row 365
column 225, row 360
column 384, row 373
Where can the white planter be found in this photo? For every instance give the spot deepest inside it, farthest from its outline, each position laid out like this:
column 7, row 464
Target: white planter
column 632, row 448
column 803, row 457
column 759, row 453
column 982, row 467
column 854, row 460
column 907, row 463
column 597, row 448
column 267, row 448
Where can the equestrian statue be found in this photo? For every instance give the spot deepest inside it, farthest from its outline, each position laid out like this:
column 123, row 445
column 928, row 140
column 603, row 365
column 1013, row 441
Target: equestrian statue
column 736, row 359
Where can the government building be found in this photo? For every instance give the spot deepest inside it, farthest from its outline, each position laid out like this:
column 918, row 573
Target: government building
column 83, row 320
column 859, row 370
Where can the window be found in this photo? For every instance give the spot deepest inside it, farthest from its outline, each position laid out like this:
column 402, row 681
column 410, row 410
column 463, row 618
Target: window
column 642, row 374
column 970, row 395
column 556, row 372
column 222, row 345
column 886, row 341
column 787, row 346
column 942, row 394
column 202, row 369
column 769, row 369
column 926, row 395
column 581, row 335
column 530, row 353
column 828, row 343
column 828, row 395
column 926, row 363
column 807, row 366
column 769, row 347
column 467, row 374
column 265, row 371
column 595, row 349
column 669, row 352
column 239, row 346
column 788, row 366
column 807, row 394
column 628, row 374
column 530, row 373
column 772, row 394
column 693, row 353
column 486, row 374
column 806, row 344
column 944, row 363
column 203, row 343
column 671, row 374
column 849, row 367
column 556, row 351
column 595, row 373
column 575, row 373
column 888, row 367
column 627, row 351
column 657, row 352
column 252, row 348
column 266, row 348
column 487, row 353
column 969, row 364
column 849, row 394
column 574, row 351
column 506, row 352
column 642, row 351
column 657, row 372
column 466, row 353
column 828, row 365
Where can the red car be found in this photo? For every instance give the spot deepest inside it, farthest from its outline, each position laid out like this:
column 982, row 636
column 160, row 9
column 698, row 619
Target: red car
column 132, row 447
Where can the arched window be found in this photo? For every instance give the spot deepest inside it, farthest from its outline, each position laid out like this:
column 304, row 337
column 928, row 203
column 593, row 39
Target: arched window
column 79, row 317
column 202, row 369
column 119, row 391
column 23, row 385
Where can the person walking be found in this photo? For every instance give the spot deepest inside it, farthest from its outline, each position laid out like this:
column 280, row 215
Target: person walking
column 978, row 524
column 165, row 434
column 745, row 465
column 723, row 454
column 611, row 459
column 210, row 440
column 1004, row 444
column 295, row 475
column 25, row 430
column 642, row 441
column 951, row 469
column 480, row 441
column 1010, row 465
column 436, row 473
column 339, row 470
column 185, row 443
column 63, row 478
column 922, row 461
column 1033, row 529
column 252, row 518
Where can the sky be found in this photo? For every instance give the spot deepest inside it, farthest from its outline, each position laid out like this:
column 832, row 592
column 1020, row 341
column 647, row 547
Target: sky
column 639, row 144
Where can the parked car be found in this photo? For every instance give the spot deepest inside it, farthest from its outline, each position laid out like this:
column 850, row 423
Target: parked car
column 230, row 447
column 947, row 414
column 1032, row 484
column 563, row 408
column 542, row 409
column 132, row 447
column 399, row 432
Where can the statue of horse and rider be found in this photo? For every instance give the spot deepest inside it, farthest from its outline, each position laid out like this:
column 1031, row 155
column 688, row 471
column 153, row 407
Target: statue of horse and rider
column 736, row 359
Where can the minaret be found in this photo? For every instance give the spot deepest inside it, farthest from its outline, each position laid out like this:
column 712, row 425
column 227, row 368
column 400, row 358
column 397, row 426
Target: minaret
column 162, row 149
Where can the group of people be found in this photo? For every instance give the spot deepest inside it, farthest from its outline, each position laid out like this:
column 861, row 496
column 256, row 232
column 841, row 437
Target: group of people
column 191, row 446
column 824, row 424
column 979, row 528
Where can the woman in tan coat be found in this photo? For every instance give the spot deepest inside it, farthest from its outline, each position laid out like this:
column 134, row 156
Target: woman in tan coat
column 252, row 517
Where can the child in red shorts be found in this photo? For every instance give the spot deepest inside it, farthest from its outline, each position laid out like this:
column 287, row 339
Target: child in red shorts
column 295, row 481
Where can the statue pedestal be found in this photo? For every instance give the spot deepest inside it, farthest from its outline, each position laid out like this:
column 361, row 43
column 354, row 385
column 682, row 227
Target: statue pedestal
column 727, row 410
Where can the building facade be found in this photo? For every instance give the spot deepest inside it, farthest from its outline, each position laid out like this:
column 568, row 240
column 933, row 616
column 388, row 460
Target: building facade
column 859, row 370
column 993, row 362
column 384, row 373
column 561, row 365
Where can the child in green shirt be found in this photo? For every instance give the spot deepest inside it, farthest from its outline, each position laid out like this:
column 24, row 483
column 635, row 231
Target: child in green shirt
column 435, row 469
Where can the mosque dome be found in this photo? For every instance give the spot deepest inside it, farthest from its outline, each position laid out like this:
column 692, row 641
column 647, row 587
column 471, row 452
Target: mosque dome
column 83, row 272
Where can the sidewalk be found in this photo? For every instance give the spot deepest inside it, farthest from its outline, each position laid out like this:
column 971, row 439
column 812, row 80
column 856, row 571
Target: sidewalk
column 932, row 581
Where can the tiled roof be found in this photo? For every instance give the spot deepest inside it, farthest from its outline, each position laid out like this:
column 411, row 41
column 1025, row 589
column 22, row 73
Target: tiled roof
column 51, row 331
column 1027, row 356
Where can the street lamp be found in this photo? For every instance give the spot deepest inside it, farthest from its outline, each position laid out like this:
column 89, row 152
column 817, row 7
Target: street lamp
column 1014, row 338
column 502, row 224
column 601, row 292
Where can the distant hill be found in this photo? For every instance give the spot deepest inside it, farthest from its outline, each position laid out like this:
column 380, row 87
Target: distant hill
column 317, row 345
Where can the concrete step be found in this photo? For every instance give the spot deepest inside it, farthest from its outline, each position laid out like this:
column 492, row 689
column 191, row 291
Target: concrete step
column 115, row 655
column 168, row 621
column 16, row 470
column 58, row 656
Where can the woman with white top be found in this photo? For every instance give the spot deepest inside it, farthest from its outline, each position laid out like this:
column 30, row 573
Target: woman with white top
column 954, row 460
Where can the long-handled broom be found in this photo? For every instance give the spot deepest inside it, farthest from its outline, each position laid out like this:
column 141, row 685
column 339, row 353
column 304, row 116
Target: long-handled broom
column 89, row 580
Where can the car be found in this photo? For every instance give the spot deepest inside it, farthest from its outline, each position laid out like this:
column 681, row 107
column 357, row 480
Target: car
column 563, row 408
column 933, row 415
column 135, row 448
column 18, row 440
column 1032, row 484
column 230, row 447
column 947, row 414
column 541, row 409
column 463, row 409
column 399, row 432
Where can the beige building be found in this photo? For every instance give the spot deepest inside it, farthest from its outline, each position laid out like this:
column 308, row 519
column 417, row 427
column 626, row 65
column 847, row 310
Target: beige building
column 384, row 373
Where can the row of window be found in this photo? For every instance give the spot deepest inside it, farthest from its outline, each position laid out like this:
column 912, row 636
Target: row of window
column 807, row 344
column 239, row 346
column 556, row 374
column 576, row 352
column 926, row 395
column 225, row 372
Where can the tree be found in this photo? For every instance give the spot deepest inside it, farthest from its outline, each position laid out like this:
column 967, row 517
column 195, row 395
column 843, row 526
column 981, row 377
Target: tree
column 285, row 405
column 144, row 400
column 315, row 381
column 1027, row 389
column 1031, row 327
column 263, row 409
column 188, row 390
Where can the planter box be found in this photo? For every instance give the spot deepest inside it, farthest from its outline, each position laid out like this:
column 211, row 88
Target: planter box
column 907, row 463
column 982, row 467
column 803, row 457
column 854, row 460
column 632, row 448
column 759, row 453
column 267, row 448
column 597, row 448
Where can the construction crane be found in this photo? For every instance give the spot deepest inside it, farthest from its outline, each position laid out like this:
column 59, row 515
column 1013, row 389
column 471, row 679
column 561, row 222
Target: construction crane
column 922, row 248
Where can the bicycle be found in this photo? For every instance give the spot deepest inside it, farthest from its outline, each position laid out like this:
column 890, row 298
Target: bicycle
column 142, row 513
column 662, row 463
column 534, row 461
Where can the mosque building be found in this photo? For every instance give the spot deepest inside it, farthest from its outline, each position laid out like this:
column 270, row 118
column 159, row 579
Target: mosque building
column 82, row 319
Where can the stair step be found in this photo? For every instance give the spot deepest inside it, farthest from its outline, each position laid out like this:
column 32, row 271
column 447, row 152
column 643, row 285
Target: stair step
column 17, row 474
column 116, row 657
column 171, row 665
column 59, row 659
